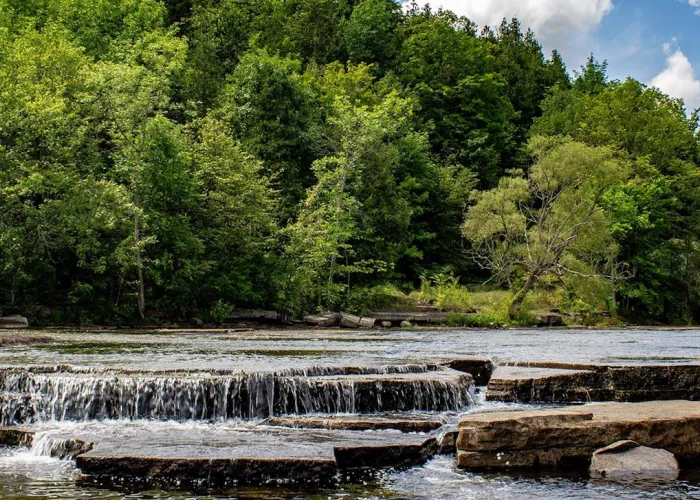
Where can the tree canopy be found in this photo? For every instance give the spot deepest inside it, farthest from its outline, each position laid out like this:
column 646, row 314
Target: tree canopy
column 161, row 159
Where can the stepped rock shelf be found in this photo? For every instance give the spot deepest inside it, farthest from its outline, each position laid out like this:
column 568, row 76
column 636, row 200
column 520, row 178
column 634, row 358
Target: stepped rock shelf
column 566, row 438
column 216, row 410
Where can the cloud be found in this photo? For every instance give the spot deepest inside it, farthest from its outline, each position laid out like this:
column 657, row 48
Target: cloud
column 695, row 3
column 560, row 24
column 679, row 79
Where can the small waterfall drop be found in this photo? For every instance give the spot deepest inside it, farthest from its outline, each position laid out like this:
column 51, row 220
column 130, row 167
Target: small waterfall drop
column 58, row 395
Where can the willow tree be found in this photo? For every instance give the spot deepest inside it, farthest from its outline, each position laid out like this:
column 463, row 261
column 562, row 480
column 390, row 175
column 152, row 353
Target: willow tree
column 550, row 223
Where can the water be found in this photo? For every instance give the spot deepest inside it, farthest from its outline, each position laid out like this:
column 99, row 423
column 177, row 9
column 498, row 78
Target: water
column 205, row 395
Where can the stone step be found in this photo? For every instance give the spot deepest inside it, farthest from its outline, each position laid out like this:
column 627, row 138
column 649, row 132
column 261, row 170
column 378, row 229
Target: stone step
column 566, row 438
column 263, row 455
column 61, row 396
column 562, row 383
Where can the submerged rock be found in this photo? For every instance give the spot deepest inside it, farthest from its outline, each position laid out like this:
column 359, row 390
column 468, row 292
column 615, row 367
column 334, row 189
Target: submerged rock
column 420, row 422
column 627, row 459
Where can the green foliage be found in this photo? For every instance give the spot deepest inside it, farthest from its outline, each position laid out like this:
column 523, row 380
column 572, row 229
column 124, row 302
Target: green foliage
column 443, row 290
column 550, row 224
column 168, row 157
column 220, row 311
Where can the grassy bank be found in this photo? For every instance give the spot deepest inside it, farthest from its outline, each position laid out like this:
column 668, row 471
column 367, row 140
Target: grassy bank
column 482, row 306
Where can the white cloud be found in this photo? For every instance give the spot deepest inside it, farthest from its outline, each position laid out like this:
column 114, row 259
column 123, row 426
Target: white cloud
column 679, row 79
column 558, row 24
column 695, row 3
column 543, row 16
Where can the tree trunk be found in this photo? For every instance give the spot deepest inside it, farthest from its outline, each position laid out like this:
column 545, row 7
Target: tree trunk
column 517, row 302
column 141, row 299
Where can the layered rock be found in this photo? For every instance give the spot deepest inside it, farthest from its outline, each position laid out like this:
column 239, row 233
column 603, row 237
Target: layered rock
column 262, row 456
column 28, row 395
column 571, row 383
column 566, row 438
column 481, row 369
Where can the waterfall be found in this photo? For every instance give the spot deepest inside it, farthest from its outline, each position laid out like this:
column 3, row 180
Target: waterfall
column 56, row 395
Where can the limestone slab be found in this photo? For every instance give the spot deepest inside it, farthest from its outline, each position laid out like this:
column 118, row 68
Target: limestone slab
column 554, row 438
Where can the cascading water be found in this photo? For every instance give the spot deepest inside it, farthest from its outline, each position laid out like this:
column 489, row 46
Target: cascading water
column 63, row 394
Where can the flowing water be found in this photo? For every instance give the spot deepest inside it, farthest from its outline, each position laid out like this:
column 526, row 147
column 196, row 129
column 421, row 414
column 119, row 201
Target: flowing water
column 190, row 394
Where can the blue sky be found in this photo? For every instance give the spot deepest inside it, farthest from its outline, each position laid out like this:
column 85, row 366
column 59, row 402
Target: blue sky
column 654, row 41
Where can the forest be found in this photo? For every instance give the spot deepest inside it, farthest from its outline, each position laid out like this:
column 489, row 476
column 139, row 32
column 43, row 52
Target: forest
column 165, row 159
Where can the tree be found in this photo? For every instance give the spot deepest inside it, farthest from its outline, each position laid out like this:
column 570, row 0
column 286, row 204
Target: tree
column 370, row 35
column 655, row 210
column 273, row 112
column 463, row 103
column 233, row 219
column 330, row 220
column 551, row 223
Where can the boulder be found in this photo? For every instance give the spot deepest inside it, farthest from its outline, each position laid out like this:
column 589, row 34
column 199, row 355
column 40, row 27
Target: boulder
column 479, row 368
column 627, row 459
column 406, row 324
column 12, row 322
column 323, row 319
column 386, row 324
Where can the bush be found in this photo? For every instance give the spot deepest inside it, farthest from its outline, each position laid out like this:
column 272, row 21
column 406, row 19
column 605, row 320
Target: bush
column 363, row 299
column 220, row 311
column 443, row 290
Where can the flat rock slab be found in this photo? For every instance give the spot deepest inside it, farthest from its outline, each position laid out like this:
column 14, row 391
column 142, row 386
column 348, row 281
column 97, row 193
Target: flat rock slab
column 252, row 455
column 420, row 422
column 566, row 438
column 575, row 383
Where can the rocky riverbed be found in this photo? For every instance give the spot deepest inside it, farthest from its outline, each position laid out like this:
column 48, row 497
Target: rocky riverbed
column 336, row 414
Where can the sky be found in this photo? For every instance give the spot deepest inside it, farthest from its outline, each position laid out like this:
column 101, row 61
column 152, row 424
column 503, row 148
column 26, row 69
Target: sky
column 655, row 41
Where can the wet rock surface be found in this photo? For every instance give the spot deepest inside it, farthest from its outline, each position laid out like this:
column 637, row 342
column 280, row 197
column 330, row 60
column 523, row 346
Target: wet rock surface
column 31, row 395
column 187, row 410
column 627, row 459
column 13, row 436
column 481, row 369
column 574, row 383
column 402, row 422
column 251, row 456
column 566, row 438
